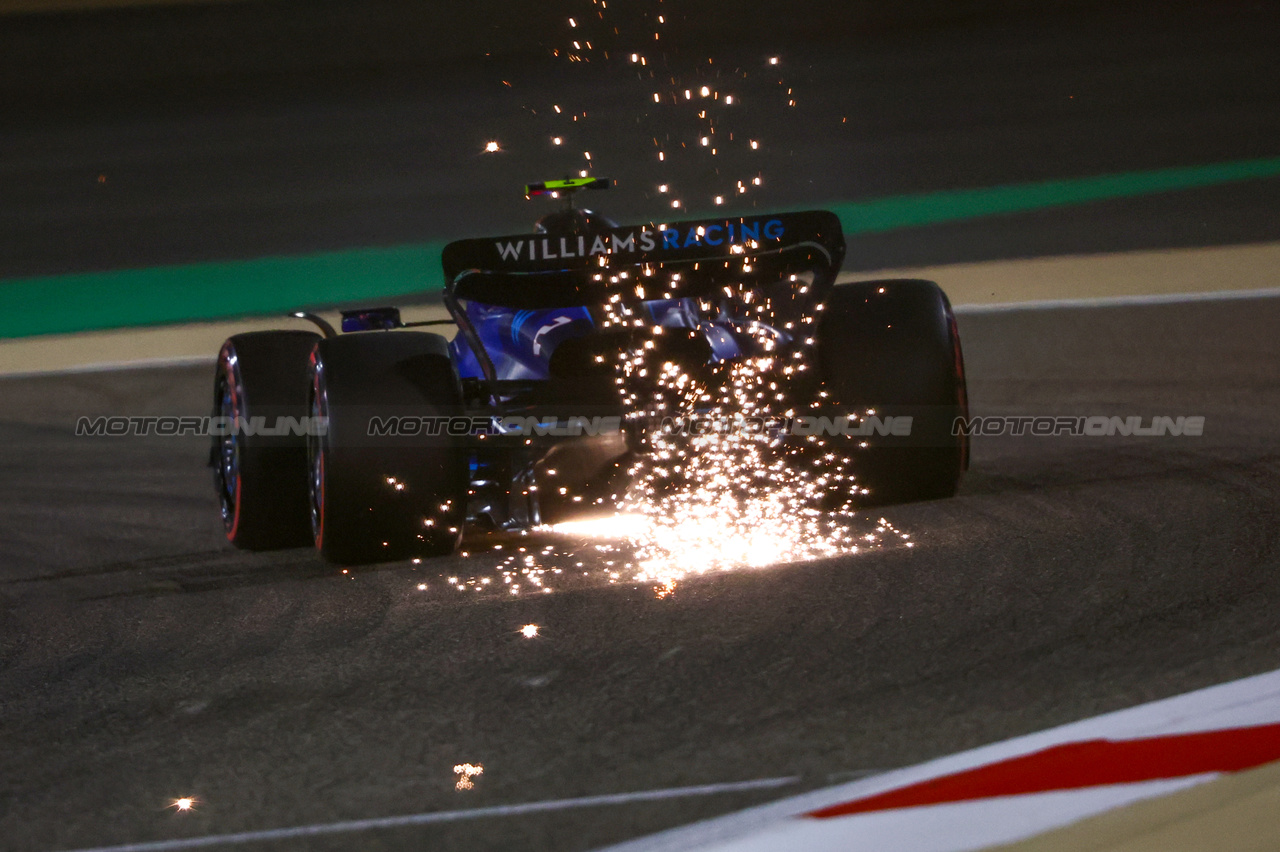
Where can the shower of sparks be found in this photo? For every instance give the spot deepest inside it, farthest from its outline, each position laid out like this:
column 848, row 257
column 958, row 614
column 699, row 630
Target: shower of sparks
column 729, row 500
column 465, row 772
column 704, row 501
column 693, row 96
column 660, row 551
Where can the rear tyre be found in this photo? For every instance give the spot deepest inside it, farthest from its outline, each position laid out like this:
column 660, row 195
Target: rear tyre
column 383, row 497
column 262, row 479
column 892, row 347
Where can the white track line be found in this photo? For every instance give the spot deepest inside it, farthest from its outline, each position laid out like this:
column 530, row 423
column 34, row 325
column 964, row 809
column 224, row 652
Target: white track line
column 445, row 816
column 1118, row 301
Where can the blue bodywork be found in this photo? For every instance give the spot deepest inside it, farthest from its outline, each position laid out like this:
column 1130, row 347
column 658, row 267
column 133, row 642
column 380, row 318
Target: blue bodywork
column 520, row 342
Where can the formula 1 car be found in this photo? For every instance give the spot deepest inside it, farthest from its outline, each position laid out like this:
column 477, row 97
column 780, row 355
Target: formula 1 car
column 567, row 347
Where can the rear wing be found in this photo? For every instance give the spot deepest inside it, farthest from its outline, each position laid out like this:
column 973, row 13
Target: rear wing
column 647, row 245
column 533, row 271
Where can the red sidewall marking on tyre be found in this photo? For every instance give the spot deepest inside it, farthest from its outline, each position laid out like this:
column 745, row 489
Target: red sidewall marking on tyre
column 235, row 408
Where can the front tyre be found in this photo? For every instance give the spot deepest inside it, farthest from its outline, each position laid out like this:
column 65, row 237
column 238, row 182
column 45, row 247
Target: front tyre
column 377, row 494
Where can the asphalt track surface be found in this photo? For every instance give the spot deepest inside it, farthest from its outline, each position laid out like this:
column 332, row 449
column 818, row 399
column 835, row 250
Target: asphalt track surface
column 141, row 660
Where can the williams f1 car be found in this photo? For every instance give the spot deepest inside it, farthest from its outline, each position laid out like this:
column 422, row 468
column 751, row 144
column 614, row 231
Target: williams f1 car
column 572, row 345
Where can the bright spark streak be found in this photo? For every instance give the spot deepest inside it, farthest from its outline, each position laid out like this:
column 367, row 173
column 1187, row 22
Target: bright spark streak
column 620, row 526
